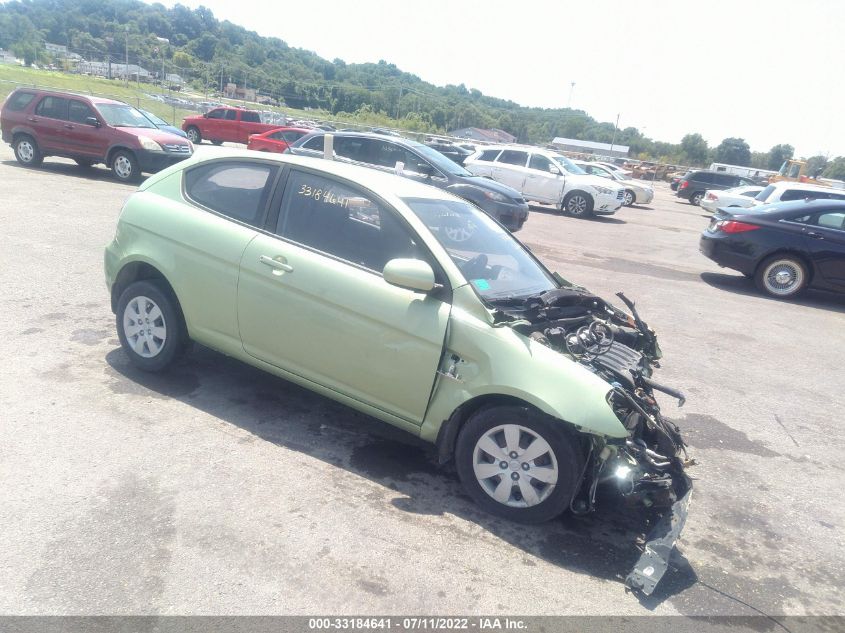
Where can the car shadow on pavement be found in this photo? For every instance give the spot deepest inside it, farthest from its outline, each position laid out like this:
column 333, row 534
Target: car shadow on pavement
column 95, row 172
column 603, row 544
column 592, row 218
column 739, row 284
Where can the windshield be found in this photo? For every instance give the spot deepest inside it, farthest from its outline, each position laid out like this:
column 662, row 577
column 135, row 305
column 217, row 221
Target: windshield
column 568, row 165
column 152, row 117
column 495, row 264
column 122, row 115
column 439, row 160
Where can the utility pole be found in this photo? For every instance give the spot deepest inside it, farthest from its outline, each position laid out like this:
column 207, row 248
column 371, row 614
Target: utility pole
column 126, row 74
column 569, row 103
column 613, row 142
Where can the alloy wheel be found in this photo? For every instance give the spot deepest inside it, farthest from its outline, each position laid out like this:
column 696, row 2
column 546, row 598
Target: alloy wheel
column 783, row 277
column 577, row 205
column 515, row 465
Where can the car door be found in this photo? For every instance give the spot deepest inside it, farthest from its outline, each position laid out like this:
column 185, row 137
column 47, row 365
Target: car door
column 83, row 137
column 211, row 127
column 543, row 180
column 312, row 300
column 48, row 121
column 825, row 239
column 510, row 168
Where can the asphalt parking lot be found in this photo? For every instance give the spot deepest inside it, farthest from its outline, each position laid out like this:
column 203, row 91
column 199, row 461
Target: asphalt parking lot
column 217, row 489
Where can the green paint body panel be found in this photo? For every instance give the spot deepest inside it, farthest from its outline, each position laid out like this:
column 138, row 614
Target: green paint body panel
column 339, row 329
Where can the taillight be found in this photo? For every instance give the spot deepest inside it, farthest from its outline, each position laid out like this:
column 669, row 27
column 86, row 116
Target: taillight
column 684, row 184
column 711, row 196
column 732, row 226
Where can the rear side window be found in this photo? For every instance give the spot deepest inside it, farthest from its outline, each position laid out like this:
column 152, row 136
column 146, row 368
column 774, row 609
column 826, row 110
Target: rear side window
column 800, row 194
column 52, row 108
column 513, row 157
column 231, row 115
column 702, row 177
column 236, row 189
column 489, row 154
column 832, row 220
column 315, row 142
column 334, row 218
column 19, row 101
column 251, row 117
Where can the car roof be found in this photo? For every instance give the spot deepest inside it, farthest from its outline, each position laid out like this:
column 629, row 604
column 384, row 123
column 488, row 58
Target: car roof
column 365, row 176
column 382, row 137
column 65, row 93
column 786, row 208
column 804, row 186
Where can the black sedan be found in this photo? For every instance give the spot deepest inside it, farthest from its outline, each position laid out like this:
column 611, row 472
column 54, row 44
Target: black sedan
column 785, row 247
column 453, row 152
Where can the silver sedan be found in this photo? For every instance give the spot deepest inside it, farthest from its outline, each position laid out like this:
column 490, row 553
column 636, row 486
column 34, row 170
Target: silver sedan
column 636, row 191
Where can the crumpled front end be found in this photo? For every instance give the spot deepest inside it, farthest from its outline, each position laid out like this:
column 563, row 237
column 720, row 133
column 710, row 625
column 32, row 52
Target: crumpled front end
column 649, row 465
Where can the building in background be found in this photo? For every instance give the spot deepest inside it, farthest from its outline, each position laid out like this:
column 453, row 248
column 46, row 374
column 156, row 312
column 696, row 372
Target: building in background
column 494, row 135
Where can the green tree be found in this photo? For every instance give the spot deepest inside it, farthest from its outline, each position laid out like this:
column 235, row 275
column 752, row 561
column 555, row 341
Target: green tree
column 733, row 151
column 778, row 154
column 835, row 169
column 695, row 149
column 816, row 165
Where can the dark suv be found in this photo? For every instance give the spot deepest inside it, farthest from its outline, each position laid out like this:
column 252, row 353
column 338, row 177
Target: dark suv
column 421, row 163
column 39, row 123
column 693, row 185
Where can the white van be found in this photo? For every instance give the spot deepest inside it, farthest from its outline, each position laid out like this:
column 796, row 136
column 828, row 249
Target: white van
column 544, row 176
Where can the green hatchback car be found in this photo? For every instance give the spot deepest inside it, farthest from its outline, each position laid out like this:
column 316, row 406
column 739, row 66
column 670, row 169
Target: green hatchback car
column 413, row 306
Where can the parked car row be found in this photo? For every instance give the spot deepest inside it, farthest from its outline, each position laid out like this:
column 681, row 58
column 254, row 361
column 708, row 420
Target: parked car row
column 89, row 130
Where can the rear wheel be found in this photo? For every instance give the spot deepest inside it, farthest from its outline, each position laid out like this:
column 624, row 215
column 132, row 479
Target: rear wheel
column 216, row 142
column 782, row 276
column 194, row 135
column 150, row 325
column 517, row 463
column 577, row 204
column 695, row 199
column 27, row 152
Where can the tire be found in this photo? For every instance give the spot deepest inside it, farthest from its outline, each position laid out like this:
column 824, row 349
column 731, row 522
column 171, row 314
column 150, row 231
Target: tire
column 194, row 135
column 559, row 459
column 782, row 276
column 695, row 199
column 629, row 199
column 125, row 166
column 154, row 345
column 27, row 152
column 577, row 204
column 84, row 162
column 216, row 142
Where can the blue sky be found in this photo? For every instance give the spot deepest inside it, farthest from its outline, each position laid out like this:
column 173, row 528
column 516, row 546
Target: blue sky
column 765, row 71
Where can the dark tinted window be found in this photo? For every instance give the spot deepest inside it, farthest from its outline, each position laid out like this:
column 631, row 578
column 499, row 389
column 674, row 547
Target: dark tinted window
column 353, row 148
column 19, row 101
column 336, row 219
column 238, row 190
column 388, row 154
column 217, row 114
column 78, row 111
column 231, row 115
column 489, row 154
column 723, row 179
column 513, row 157
column 800, row 194
column 250, row 117
column 702, row 176
column 52, row 107
column 540, row 162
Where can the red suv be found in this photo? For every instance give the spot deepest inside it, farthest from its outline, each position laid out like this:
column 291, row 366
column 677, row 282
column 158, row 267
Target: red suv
column 39, row 123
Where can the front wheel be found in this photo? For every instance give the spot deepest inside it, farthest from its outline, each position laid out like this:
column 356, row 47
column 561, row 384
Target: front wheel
column 629, row 198
column 194, row 135
column 125, row 166
column 577, row 204
column 150, row 325
column 27, row 152
column 519, row 464
column 782, row 276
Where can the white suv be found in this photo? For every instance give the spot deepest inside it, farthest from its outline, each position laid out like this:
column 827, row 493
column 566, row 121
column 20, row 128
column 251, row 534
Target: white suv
column 547, row 177
column 784, row 191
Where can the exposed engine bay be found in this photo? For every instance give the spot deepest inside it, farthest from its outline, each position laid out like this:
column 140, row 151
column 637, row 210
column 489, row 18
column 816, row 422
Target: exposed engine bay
column 648, row 465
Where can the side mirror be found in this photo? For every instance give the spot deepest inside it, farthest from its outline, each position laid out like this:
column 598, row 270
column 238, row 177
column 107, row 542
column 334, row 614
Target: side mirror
column 412, row 274
column 425, row 169
column 92, row 120
column 205, row 115
column 554, row 170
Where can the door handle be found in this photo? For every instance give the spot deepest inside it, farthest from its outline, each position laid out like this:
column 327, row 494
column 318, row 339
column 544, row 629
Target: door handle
column 32, row 119
column 275, row 264
column 68, row 126
column 815, row 235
